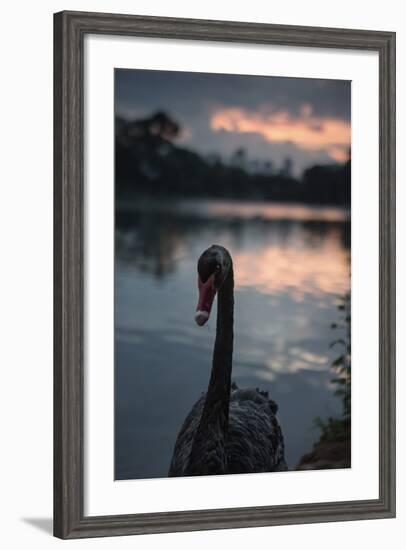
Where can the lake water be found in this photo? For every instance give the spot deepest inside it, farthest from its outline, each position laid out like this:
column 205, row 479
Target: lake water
column 291, row 263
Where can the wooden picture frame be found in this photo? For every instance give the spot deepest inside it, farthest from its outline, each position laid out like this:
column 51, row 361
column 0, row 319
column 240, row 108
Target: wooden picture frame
column 70, row 29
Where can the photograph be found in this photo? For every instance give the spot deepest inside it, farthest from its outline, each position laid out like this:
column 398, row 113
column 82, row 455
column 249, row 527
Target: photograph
column 224, row 274
column 232, row 274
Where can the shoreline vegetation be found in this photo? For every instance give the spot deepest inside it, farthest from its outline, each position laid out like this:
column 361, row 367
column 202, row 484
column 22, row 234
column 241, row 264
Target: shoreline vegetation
column 333, row 449
column 149, row 162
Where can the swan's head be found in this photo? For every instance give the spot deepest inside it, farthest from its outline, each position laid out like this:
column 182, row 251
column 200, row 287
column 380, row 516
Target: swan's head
column 213, row 268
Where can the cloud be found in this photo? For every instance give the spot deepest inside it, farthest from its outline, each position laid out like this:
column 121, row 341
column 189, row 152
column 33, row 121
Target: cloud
column 192, row 99
column 306, row 130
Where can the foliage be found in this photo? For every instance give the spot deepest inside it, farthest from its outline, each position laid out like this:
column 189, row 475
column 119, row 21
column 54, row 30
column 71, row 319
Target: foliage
column 337, row 429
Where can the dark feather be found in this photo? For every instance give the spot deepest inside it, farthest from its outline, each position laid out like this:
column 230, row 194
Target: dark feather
column 254, row 442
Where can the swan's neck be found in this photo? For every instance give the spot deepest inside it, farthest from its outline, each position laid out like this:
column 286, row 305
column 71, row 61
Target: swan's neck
column 208, row 454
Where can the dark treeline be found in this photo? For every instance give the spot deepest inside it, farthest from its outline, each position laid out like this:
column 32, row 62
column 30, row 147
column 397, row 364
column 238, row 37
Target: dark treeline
column 148, row 162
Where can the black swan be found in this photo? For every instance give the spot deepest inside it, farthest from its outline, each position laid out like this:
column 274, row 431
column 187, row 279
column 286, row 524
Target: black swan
column 228, row 430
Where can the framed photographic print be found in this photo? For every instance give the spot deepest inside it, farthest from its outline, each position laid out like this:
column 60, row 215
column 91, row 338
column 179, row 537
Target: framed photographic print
column 224, row 274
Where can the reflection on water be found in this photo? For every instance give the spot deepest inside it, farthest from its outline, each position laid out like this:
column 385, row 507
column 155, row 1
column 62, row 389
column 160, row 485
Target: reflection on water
column 290, row 263
column 295, row 267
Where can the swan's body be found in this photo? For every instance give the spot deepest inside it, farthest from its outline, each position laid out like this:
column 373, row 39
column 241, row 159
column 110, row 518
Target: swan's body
column 254, row 441
column 228, row 430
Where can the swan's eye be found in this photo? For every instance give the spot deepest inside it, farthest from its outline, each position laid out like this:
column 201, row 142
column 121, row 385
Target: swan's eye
column 218, row 267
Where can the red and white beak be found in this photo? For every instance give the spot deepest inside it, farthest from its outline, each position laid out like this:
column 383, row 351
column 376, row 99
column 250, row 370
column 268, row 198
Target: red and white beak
column 207, row 292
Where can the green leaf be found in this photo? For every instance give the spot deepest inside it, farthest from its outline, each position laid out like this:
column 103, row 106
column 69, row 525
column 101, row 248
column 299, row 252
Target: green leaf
column 338, row 361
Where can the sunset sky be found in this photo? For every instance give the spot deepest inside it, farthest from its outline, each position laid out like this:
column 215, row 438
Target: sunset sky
column 307, row 120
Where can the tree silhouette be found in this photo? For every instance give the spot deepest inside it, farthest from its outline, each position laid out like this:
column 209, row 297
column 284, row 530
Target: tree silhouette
column 149, row 161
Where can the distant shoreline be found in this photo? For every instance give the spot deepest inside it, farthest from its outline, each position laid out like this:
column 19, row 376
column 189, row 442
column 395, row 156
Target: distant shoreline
column 235, row 208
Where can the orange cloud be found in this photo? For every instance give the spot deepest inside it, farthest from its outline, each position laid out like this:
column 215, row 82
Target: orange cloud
column 340, row 154
column 307, row 131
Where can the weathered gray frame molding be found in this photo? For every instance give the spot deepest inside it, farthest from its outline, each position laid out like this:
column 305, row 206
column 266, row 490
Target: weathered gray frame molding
column 69, row 30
